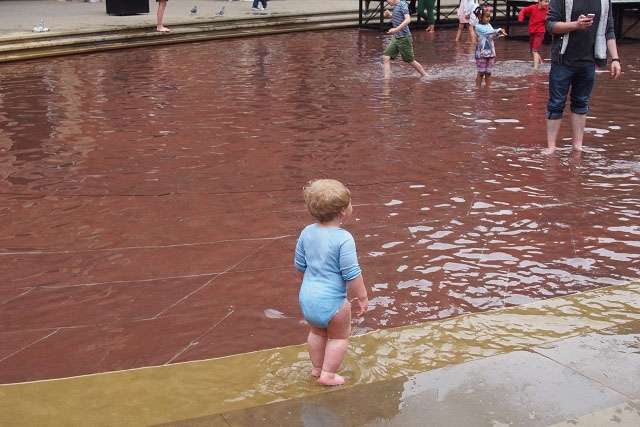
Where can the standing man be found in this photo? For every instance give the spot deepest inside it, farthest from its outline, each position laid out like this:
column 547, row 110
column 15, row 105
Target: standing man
column 582, row 34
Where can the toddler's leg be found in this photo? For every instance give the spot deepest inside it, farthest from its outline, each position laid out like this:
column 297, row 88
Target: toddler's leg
column 479, row 77
column 459, row 33
column 487, row 79
column 338, row 331
column 316, row 344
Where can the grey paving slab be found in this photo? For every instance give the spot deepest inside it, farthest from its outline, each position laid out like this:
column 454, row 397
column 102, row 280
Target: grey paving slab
column 19, row 17
column 610, row 357
column 515, row 389
column 577, row 381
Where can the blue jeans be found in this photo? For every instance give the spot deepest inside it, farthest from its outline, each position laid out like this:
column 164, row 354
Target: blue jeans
column 264, row 3
column 563, row 77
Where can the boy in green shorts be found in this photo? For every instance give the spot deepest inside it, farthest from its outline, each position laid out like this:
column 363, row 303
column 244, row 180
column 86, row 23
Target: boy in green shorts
column 401, row 43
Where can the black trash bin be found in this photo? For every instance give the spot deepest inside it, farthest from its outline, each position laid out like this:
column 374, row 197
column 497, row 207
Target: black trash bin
column 127, row 7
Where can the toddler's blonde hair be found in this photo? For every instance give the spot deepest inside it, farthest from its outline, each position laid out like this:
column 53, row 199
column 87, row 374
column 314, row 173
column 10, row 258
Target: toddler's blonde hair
column 326, row 198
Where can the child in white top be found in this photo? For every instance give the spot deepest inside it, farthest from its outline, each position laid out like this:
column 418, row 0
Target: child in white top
column 485, row 50
column 467, row 19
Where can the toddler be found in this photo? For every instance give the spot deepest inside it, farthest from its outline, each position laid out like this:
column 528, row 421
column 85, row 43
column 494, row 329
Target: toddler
column 485, row 51
column 326, row 255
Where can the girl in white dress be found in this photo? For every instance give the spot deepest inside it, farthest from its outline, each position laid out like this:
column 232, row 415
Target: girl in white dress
column 467, row 19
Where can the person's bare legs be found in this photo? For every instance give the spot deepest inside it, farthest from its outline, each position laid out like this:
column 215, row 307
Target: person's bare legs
column 418, row 67
column 536, row 60
column 578, row 122
column 479, row 77
column 459, row 33
column 338, row 331
column 473, row 37
column 488, row 79
column 162, row 5
column 553, row 127
column 316, row 343
column 386, row 66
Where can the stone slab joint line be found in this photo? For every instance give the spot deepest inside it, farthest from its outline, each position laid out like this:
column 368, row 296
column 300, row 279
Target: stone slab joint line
column 186, row 297
column 30, row 344
column 130, row 248
column 208, row 282
column 583, row 374
column 193, row 342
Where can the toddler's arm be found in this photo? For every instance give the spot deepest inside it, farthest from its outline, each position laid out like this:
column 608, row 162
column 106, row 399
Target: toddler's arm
column 357, row 287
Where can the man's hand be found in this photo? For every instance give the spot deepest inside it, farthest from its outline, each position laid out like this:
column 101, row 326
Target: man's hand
column 584, row 22
column 616, row 69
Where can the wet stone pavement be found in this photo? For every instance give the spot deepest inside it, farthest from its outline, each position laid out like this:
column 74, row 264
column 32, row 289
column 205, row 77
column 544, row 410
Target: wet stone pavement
column 151, row 198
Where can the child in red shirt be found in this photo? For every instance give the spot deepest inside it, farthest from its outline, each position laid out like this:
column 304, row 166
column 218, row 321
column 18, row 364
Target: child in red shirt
column 537, row 14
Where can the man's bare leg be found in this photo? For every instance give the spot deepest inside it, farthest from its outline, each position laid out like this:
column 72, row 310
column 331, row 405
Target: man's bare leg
column 578, row 123
column 553, row 127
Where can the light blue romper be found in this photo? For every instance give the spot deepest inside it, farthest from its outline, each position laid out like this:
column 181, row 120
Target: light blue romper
column 328, row 259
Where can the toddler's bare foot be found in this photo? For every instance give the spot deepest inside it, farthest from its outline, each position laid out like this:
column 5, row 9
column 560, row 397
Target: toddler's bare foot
column 163, row 29
column 331, row 379
column 549, row 151
column 315, row 372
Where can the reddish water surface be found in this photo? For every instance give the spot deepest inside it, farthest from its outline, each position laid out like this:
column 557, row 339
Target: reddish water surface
column 151, row 198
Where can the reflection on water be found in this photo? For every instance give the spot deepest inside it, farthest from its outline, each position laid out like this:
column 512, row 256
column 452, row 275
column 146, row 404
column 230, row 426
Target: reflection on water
column 457, row 210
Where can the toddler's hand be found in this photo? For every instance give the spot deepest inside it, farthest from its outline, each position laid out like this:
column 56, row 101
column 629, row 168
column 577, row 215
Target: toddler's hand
column 363, row 305
column 387, row 13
